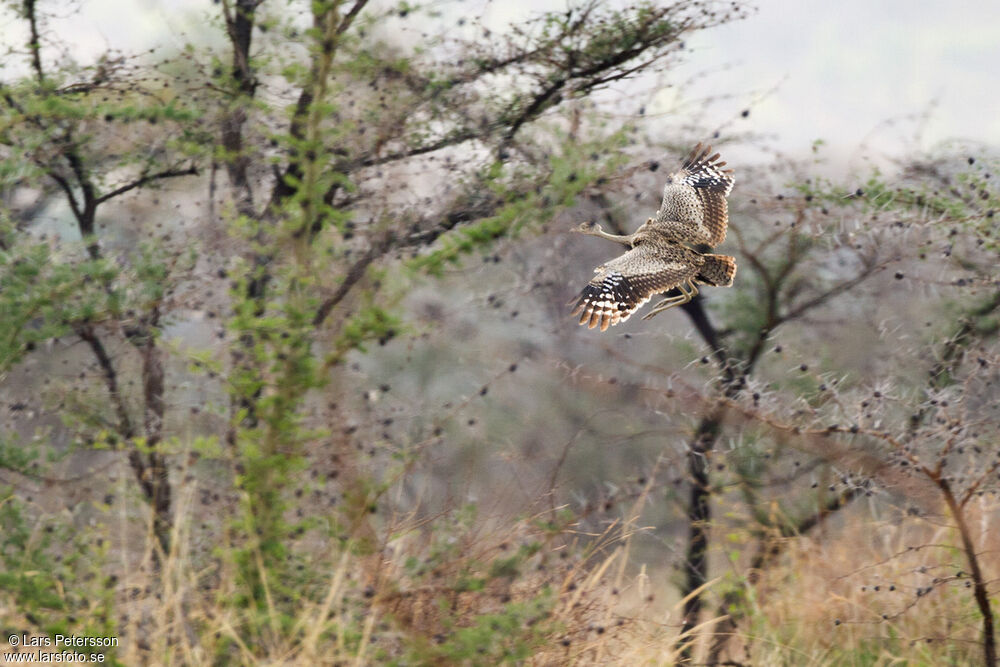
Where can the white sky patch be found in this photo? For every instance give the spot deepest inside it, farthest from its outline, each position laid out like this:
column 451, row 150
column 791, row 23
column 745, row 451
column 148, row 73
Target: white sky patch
column 893, row 76
column 898, row 75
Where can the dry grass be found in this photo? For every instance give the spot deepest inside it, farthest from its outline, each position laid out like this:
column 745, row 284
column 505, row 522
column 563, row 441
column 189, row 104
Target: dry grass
column 861, row 589
column 589, row 609
column 870, row 592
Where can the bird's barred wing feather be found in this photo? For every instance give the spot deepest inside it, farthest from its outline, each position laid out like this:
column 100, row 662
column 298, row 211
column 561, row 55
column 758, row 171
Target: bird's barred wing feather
column 694, row 199
column 703, row 171
column 625, row 283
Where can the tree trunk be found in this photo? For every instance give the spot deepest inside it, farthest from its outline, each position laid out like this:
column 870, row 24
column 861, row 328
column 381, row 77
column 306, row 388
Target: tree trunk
column 699, row 515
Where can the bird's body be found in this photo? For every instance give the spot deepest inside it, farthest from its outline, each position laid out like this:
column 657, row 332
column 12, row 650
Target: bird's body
column 693, row 211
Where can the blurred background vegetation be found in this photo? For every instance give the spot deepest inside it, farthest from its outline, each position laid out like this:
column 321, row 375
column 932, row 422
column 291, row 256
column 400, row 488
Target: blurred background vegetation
column 287, row 374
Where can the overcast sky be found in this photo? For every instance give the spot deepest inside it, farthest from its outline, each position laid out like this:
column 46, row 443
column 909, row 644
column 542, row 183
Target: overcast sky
column 898, row 74
column 895, row 75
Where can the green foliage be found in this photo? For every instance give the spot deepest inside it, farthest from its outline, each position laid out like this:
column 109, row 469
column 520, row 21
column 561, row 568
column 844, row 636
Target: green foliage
column 16, row 456
column 371, row 322
column 623, row 31
column 28, row 569
column 274, row 379
column 42, row 296
column 315, row 132
column 509, row 636
column 509, row 632
column 78, row 119
column 510, row 567
column 51, row 576
column 522, row 205
column 965, row 196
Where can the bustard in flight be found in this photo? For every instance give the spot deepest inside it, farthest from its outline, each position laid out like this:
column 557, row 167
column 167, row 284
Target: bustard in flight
column 693, row 212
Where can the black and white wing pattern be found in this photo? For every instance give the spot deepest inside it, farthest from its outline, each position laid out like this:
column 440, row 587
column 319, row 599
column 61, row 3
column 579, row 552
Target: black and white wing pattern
column 625, row 283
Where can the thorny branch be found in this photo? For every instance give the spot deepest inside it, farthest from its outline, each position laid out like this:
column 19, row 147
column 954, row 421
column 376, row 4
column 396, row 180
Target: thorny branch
column 736, row 371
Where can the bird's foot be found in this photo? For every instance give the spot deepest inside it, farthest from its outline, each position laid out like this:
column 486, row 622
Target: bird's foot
column 687, row 292
column 666, row 304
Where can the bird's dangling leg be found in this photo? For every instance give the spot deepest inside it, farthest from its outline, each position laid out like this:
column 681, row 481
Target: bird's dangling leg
column 688, row 290
column 594, row 229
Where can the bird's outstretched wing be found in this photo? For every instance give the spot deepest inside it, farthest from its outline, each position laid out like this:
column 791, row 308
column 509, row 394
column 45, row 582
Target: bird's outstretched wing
column 694, row 208
column 625, row 283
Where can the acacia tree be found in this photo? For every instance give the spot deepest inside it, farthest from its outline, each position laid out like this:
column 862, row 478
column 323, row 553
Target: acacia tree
column 935, row 434
column 775, row 263
column 826, row 264
column 876, row 433
column 315, row 118
column 56, row 140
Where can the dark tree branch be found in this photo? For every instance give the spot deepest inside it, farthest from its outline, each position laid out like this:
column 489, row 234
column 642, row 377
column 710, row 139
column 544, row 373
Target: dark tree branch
column 348, row 20
column 152, row 474
column 354, row 274
column 695, row 310
column 35, row 43
column 126, row 428
column 372, row 160
column 802, row 308
column 158, row 487
column 699, row 515
column 147, row 178
column 68, row 191
column 545, row 98
column 239, row 26
column 974, row 487
column 980, row 591
column 86, row 186
column 461, row 212
column 86, row 333
column 85, row 216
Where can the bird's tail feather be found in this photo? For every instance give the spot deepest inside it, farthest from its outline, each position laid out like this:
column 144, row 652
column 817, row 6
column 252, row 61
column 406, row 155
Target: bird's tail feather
column 718, row 270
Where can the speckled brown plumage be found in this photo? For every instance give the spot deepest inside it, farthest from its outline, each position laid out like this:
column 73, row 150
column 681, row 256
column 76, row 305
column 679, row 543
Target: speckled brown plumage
column 693, row 211
column 694, row 208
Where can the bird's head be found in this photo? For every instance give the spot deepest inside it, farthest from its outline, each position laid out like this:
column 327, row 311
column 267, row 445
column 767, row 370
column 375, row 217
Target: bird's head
column 587, row 227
